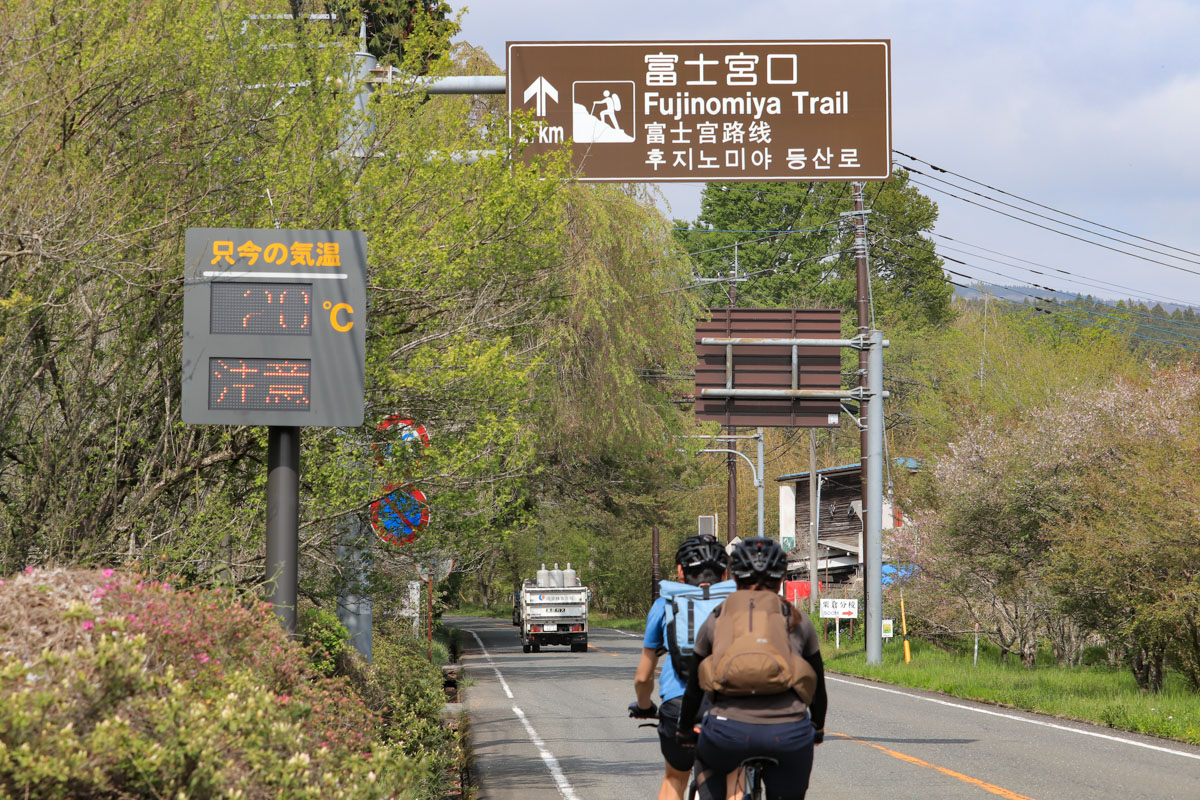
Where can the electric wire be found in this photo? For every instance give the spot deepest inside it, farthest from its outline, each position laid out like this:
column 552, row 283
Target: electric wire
column 1051, row 300
column 1081, row 320
column 1059, row 232
column 1041, row 205
column 1046, row 217
column 1140, row 294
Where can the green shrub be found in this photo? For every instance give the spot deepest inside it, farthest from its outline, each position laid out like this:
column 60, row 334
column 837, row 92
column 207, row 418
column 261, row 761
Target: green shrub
column 412, row 691
column 325, row 639
column 129, row 689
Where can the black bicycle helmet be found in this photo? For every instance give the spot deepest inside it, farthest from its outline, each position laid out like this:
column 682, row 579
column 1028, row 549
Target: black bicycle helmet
column 699, row 550
column 758, row 556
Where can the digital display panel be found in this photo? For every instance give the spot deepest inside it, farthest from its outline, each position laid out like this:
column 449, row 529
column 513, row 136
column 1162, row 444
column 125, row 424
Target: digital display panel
column 274, row 327
column 271, row 309
column 259, row 384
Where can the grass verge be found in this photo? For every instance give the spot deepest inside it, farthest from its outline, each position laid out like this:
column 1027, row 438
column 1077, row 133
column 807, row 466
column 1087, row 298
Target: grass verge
column 621, row 623
column 1100, row 694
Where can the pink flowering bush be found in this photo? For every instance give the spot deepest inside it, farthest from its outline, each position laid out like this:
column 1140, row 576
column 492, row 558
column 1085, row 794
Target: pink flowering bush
column 1019, row 500
column 115, row 687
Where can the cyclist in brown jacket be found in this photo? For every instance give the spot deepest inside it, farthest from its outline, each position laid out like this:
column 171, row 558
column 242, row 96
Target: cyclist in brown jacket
column 780, row 726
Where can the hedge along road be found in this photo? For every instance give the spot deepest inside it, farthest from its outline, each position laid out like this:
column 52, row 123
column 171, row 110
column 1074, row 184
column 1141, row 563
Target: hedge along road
column 554, row 724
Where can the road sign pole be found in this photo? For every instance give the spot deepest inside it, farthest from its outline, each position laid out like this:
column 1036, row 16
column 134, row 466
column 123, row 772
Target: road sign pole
column 354, row 604
column 429, row 619
column 283, row 520
column 762, row 531
column 813, row 522
column 874, row 512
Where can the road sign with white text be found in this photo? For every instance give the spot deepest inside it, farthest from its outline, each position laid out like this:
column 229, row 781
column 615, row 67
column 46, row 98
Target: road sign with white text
column 274, row 327
column 839, row 608
column 709, row 111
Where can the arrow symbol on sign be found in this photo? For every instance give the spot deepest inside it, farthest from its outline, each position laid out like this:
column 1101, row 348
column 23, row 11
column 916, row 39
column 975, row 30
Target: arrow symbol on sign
column 541, row 89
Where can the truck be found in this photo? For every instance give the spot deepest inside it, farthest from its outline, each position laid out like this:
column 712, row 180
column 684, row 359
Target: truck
column 552, row 609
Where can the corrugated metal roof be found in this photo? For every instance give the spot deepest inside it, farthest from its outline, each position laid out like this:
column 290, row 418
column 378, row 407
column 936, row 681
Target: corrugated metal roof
column 907, row 463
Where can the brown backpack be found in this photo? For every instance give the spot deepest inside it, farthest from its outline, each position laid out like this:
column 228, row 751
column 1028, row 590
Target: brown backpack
column 751, row 652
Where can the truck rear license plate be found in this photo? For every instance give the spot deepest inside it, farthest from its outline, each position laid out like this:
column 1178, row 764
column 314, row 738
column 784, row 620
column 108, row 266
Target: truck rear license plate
column 550, row 628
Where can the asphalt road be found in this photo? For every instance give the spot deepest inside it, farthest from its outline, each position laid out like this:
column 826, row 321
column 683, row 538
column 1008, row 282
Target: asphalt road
column 554, row 725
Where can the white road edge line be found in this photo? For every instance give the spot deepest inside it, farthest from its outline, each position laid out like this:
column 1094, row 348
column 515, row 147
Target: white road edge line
column 1018, row 719
column 560, row 779
column 623, row 633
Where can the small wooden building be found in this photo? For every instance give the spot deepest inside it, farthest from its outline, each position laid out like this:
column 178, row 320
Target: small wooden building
column 839, row 525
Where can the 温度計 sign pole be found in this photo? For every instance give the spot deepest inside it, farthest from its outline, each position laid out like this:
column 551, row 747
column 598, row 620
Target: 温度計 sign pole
column 283, row 520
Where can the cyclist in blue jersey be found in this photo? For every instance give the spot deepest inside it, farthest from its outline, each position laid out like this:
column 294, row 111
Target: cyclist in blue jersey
column 700, row 561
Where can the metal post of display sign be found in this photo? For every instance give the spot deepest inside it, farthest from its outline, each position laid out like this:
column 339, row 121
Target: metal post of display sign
column 274, row 334
column 283, row 520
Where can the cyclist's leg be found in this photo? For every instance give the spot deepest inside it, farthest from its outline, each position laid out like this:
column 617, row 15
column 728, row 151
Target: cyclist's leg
column 719, row 754
column 678, row 759
column 709, row 784
column 673, row 785
column 791, row 745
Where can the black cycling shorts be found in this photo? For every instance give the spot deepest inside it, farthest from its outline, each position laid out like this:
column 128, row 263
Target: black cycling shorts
column 681, row 758
column 725, row 743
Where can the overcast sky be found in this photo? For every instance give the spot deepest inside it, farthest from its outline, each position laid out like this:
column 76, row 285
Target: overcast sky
column 1088, row 107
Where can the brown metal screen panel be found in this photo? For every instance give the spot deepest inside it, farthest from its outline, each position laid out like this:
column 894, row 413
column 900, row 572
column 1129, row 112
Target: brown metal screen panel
column 769, row 366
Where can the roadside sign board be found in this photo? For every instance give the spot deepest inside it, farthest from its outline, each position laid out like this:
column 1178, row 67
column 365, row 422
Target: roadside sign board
column 709, row 111
column 770, row 367
column 274, row 327
column 888, row 629
column 839, row 608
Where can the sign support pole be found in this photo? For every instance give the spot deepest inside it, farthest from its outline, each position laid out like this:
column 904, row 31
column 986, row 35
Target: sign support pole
column 873, row 518
column 813, row 522
column 762, row 531
column 429, row 618
column 283, row 520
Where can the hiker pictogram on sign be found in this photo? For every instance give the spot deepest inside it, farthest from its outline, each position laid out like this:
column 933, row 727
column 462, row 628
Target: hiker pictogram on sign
column 604, row 111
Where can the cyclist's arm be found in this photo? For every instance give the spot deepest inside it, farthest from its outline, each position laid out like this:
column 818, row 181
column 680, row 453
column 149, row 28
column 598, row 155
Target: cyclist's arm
column 643, row 680
column 820, row 701
column 692, row 696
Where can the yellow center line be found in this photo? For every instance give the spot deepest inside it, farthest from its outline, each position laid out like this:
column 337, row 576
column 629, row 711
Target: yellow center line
column 602, row 650
column 987, row 787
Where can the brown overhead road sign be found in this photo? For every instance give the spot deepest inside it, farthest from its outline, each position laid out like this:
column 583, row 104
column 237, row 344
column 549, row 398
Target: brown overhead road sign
column 707, row 111
column 769, row 368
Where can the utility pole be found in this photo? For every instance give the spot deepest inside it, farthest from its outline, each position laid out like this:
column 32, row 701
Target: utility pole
column 864, row 324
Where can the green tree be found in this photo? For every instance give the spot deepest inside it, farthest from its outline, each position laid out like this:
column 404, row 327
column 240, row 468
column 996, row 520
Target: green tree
column 510, row 310
column 797, row 249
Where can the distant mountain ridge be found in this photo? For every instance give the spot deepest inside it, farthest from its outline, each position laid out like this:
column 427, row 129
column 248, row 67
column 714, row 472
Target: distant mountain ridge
column 1028, row 294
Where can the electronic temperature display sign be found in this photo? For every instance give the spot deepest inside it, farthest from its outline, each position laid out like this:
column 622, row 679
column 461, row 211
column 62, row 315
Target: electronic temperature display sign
column 274, row 327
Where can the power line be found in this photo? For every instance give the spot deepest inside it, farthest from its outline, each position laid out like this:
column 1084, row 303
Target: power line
column 1052, row 289
column 1093, row 323
column 1094, row 283
column 1042, row 205
column 1139, row 294
column 1046, row 217
column 1055, row 230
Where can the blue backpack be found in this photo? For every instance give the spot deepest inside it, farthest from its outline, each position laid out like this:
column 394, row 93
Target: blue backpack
column 685, row 610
